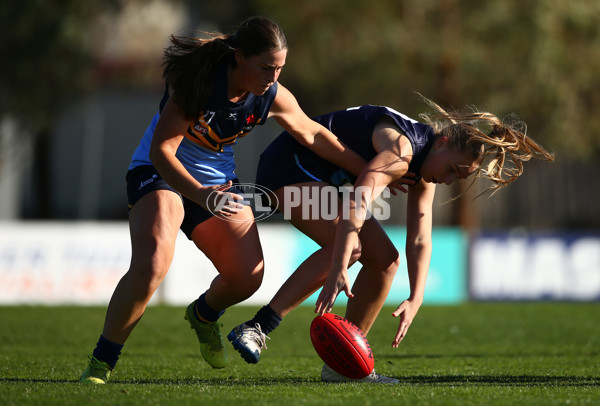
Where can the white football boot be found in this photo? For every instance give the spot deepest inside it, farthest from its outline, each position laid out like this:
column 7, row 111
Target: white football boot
column 248, row 341
column 329, row 375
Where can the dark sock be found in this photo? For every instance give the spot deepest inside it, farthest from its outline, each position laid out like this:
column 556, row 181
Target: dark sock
column 267, row 318
column 107, row 351
column 204, row 311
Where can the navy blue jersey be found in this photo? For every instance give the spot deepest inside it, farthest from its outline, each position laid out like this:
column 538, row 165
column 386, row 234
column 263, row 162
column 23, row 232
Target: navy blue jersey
column 354, row 127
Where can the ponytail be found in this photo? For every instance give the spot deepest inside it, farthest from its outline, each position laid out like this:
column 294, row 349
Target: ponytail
column 190, row 64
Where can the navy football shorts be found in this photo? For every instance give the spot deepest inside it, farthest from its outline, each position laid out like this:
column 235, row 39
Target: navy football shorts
column 277, row 170
column 144, row 179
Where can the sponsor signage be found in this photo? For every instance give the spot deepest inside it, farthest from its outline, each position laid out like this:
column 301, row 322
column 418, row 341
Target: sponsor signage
column 546, row 266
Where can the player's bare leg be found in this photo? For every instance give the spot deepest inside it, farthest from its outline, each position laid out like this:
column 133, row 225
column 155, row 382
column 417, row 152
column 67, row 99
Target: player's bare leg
column 234, row 248
column 380, row 261
column 377, row 254
column 154, row 222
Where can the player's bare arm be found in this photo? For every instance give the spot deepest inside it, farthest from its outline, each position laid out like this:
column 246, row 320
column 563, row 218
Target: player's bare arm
column 388, row 166
column 167, row 136
column 311, row 134
column 418, row 254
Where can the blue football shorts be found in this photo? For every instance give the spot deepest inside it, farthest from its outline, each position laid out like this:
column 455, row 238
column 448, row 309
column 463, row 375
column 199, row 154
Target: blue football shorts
column 145, row 179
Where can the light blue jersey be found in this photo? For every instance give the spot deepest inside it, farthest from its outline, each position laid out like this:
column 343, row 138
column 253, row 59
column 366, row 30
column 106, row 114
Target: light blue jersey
column 206, row 150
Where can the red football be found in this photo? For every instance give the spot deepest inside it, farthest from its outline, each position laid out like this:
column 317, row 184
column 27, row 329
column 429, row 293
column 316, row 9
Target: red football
column 342, row 346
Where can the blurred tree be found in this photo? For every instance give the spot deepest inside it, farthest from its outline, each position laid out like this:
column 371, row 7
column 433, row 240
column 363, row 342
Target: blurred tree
column 542, row 61
column 537, row 58
column 46, row 64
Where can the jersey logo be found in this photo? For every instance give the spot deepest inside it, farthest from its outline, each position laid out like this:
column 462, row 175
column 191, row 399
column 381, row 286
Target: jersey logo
column 201, row 132
column 251, row 119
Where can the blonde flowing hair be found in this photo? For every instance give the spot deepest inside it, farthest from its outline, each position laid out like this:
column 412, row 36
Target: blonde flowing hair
column 501, row 146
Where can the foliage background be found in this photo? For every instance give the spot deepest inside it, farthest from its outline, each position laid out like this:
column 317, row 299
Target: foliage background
column 537, row 58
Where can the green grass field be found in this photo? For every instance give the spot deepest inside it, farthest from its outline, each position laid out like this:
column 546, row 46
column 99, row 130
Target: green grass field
column 472, row 354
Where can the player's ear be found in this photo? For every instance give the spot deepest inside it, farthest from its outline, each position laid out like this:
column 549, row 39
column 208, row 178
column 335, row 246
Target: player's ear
column 441, row 142
column 239, row 56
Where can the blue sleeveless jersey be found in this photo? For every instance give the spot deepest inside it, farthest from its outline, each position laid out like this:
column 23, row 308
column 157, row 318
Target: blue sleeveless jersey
column 354, row 127
column 206, row 150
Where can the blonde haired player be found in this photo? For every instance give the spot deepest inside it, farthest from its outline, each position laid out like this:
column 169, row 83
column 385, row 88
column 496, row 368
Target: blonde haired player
column 446, row 147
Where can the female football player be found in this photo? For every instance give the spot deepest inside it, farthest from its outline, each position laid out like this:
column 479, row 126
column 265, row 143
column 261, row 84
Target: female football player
column 448, row 146
column 182, row 176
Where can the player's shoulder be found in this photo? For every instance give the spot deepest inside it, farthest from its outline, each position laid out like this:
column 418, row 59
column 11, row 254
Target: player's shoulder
column 283, row 102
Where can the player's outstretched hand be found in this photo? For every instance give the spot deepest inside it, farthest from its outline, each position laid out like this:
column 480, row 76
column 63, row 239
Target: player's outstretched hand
column 407, row 312
column 336, row 282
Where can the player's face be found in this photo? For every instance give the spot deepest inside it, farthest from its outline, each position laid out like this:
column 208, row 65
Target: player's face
column 444, row 164
column 259, row 72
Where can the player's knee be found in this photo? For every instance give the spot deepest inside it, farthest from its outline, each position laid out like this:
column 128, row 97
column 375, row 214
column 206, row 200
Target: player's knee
column 151, row 266
column 393, row 262
column 254, row 280
column 386, row 260
column 152, row 274
column 247, row 283
column 390, row 261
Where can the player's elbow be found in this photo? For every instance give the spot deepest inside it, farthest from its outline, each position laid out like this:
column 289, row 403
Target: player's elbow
column 419, row 247
column 155, row 155
column 304, row 132
column 305, row 139
column 158, row 156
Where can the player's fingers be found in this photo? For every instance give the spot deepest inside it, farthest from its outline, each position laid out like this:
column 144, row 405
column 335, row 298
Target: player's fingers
column 322, row 302
column 232, row 206
column 404, row 330
column 324, row 308
column 397, row 338
column 398, row 311
column 228, row 195
column 318, row 310
column 347, row 287
column 224, row 186
column 330, row 302
column 232, row 200
column 239, row 198
column 400, row 335
column 397, row 186
column 393, row 190
column 319, row 303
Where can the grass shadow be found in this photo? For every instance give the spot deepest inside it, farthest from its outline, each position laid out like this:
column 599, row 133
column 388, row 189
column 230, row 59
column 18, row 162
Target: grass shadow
column 422, row 380
column 502, row 380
